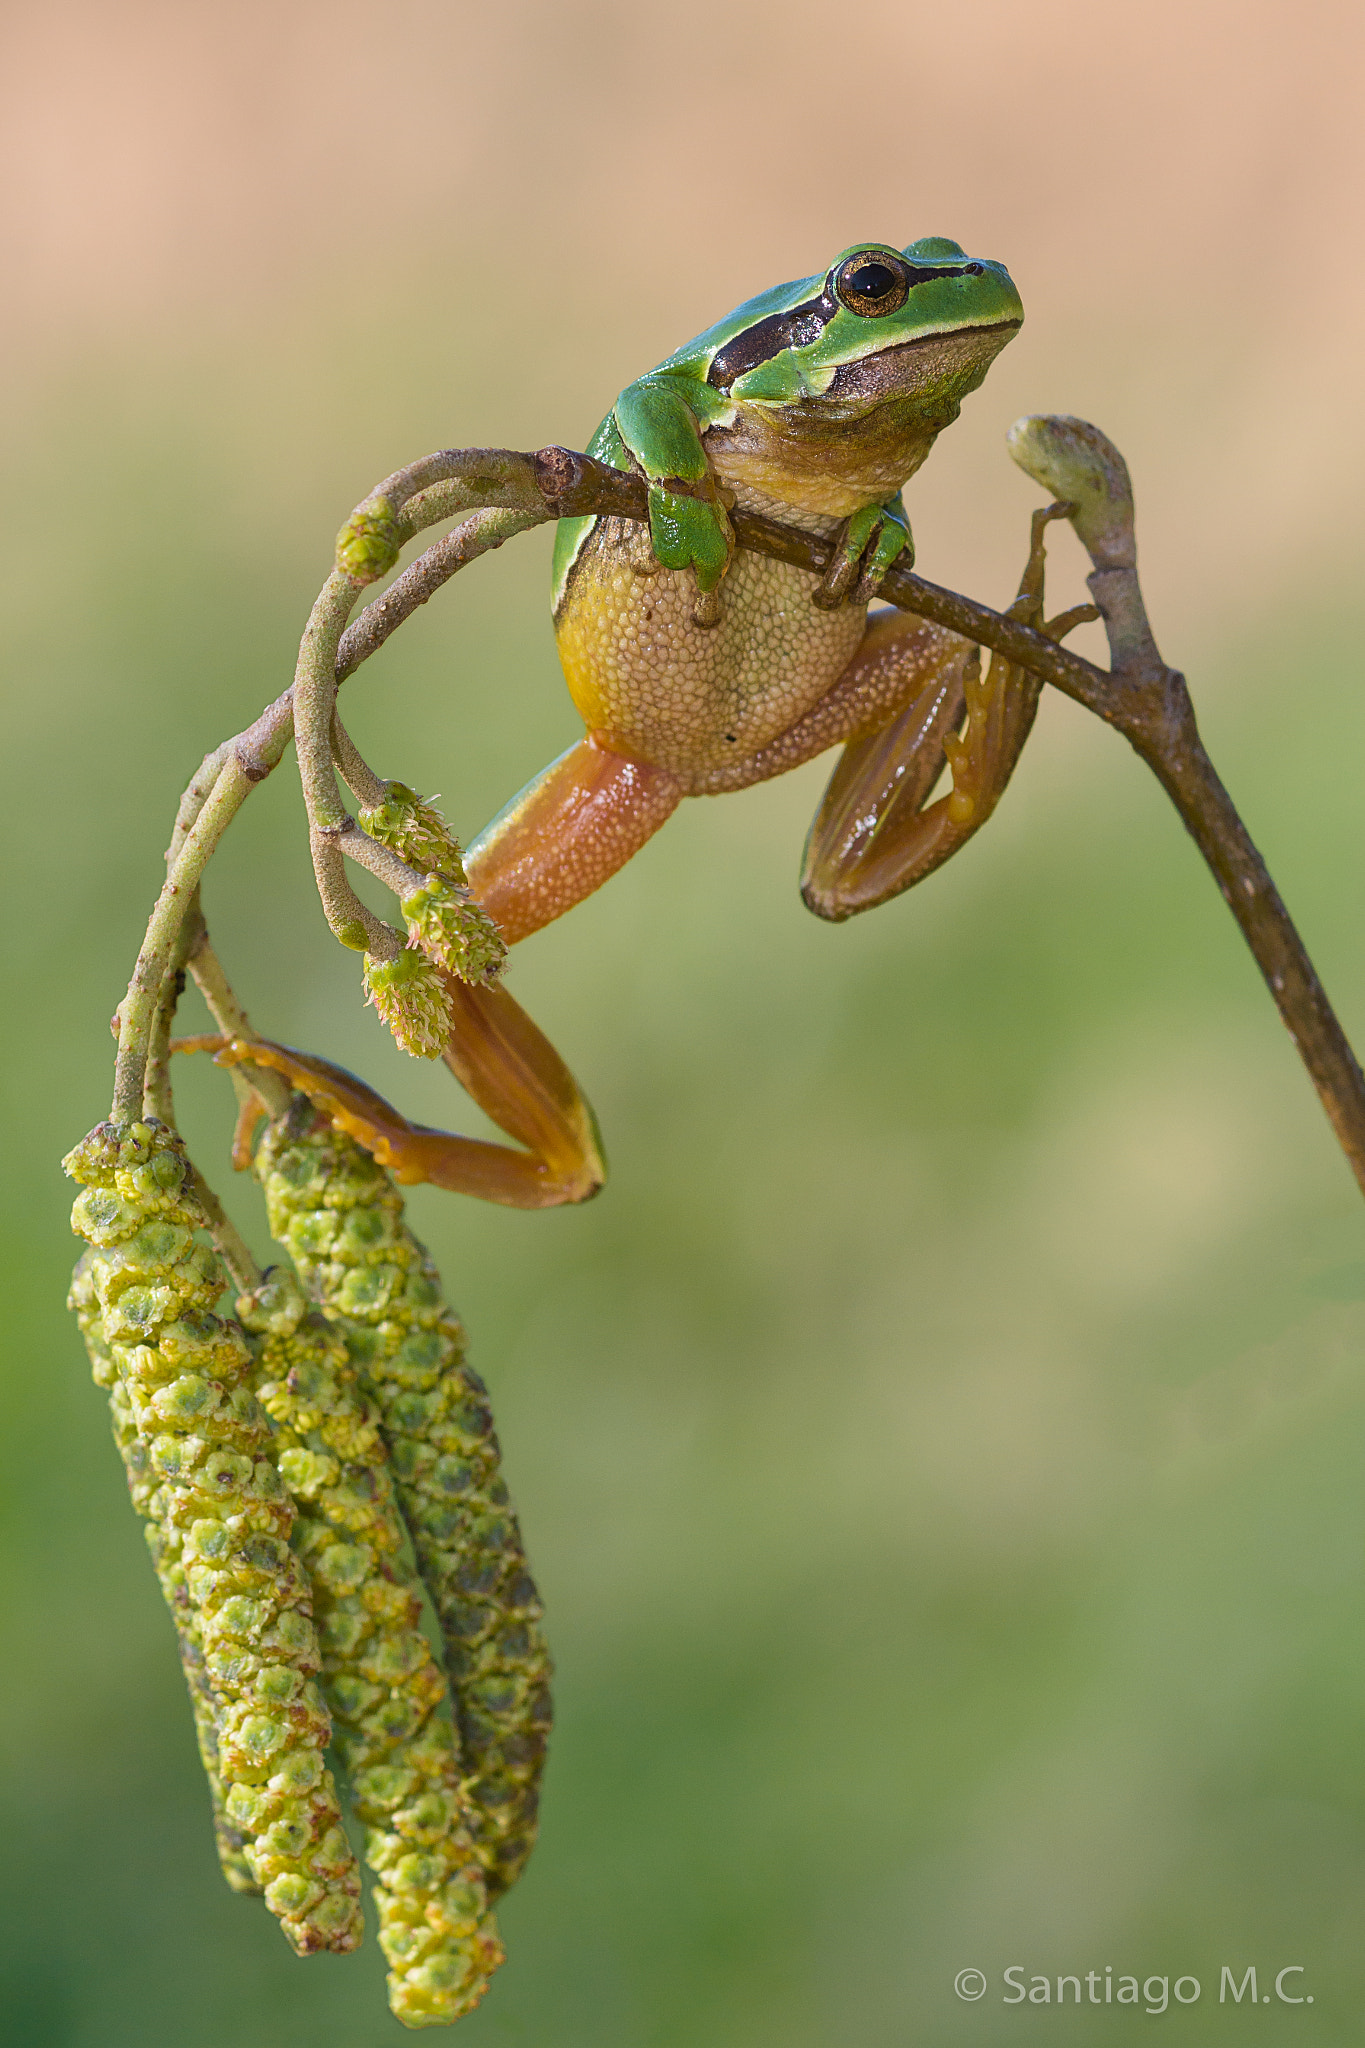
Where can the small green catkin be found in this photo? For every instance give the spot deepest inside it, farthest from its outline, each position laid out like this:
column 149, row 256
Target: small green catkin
column 411, row 997
column 443, row 919
column 341, row 1218
column 143, row 1488
column 226, row 1519
column 386, row 1693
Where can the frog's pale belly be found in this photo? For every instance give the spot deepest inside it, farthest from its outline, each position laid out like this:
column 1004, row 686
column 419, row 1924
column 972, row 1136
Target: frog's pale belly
column 682, row 696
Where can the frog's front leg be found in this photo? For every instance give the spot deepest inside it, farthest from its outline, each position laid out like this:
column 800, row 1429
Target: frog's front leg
column 660, row 420
column 872, row 836
column 867, row 544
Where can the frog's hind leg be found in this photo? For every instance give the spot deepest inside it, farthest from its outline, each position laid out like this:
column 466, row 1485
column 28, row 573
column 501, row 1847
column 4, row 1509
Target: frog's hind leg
column 900, row 662
column 872, row 836
column 566, row 833
column 558, row 841
column 501, row 1059
column 554, row 843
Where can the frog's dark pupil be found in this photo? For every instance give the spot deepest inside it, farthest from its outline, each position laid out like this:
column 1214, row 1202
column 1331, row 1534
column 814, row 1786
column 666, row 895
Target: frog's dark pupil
column 873, row 281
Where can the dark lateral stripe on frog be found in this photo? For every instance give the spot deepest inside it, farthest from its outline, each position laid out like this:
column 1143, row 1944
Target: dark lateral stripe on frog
column 802, row 325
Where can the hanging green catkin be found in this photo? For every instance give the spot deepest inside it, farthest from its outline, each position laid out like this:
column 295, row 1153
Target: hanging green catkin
column 226, row 1519
column 384, row 1689
column 143, row 1487
column 340, row 1216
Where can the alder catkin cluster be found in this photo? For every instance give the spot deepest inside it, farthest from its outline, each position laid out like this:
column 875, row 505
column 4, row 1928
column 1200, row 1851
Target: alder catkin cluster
column 341, row 1218
column 144, row 1491
column 223, row 1519
column 398, row 1748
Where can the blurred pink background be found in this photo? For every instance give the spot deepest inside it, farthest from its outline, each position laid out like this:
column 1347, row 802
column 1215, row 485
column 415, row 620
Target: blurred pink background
column 544, row 198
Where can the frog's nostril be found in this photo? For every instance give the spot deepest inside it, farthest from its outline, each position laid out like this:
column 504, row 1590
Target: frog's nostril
column 975, row 269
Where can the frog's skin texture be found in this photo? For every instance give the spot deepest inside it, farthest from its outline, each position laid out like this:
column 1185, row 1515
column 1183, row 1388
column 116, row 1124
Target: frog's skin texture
column 697, row 669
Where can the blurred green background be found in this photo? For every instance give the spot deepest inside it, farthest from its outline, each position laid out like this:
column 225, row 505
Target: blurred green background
column 940, row 1448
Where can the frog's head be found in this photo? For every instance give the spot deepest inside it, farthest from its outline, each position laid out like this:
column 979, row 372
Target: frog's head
column 883, row 324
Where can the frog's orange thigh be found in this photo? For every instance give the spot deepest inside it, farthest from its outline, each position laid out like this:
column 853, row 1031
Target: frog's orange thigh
column 566, row 833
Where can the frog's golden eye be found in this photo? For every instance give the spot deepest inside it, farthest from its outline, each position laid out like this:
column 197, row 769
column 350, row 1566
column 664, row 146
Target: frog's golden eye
column 873, row 283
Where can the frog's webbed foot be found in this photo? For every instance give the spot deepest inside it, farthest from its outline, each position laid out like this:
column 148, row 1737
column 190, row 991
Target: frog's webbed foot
column 865, row 547
column 872, row 836
column 504, row 1062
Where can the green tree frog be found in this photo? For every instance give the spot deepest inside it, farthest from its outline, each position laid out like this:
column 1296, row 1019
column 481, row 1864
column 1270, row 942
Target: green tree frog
column 697, row 669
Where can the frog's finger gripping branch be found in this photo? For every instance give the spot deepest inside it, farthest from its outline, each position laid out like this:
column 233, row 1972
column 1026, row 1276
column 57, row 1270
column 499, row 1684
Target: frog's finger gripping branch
column 225, row 1519
column 387, row 1697
column 341, row 1218
column 866, row 545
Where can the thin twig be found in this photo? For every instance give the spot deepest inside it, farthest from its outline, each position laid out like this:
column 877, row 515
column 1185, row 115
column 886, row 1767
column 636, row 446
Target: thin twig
column 379, row 860
column 173, row 905
column 158, row 1099
column 352, row 921
column 233, row 1248
column 473, row 537
column 365, row 786
column 315, row 686
column 233, row 1022
column 1154, row 713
